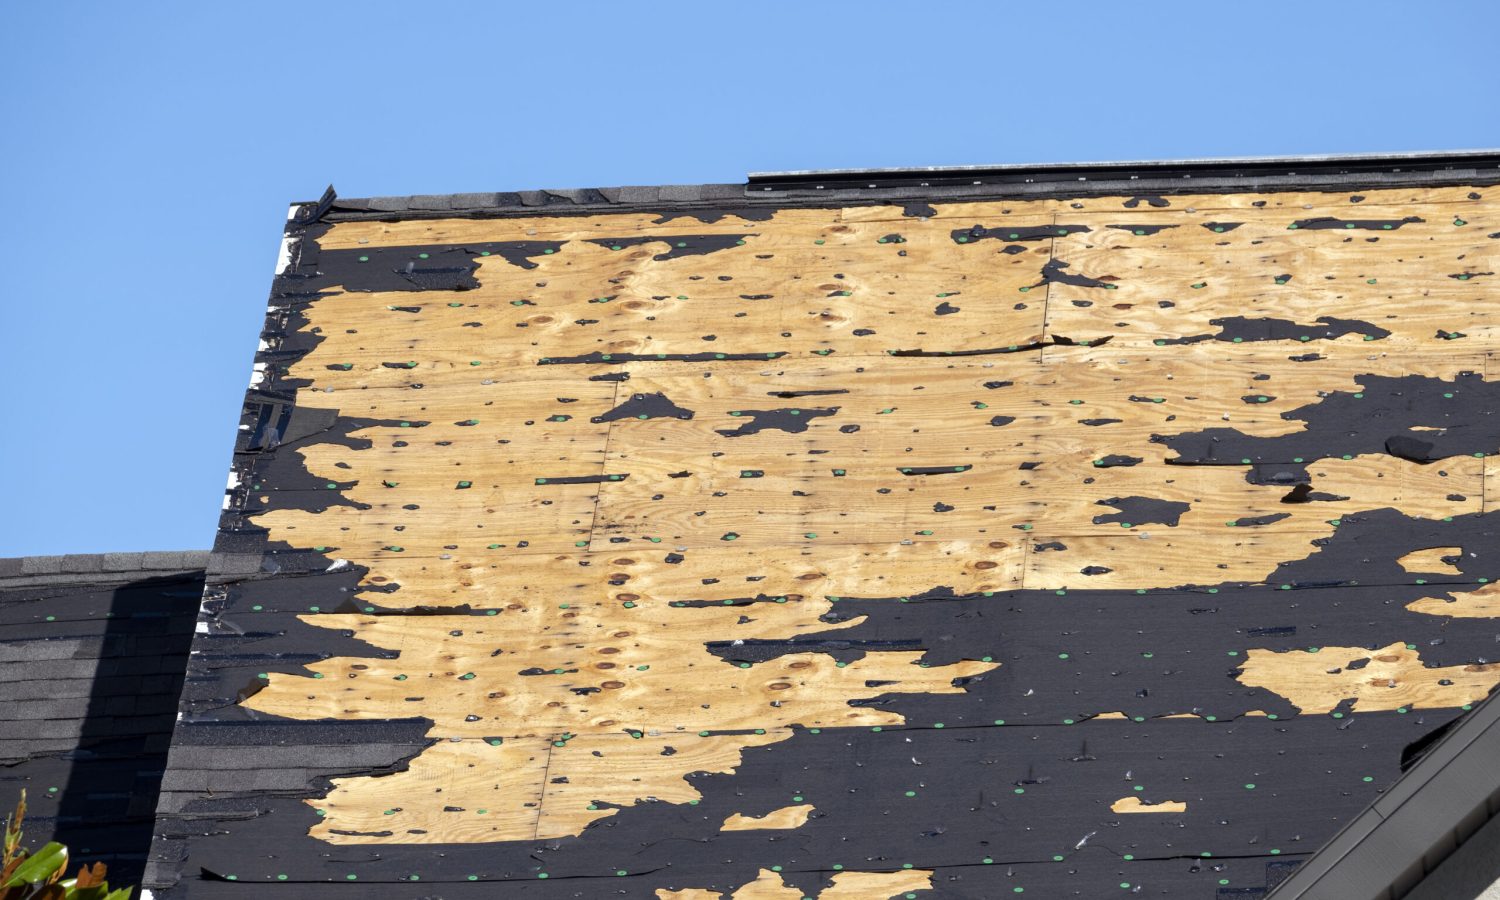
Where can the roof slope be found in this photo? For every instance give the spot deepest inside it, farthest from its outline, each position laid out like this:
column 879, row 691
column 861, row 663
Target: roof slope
column 853, row 542
column 92, row 653
column 1448, row 798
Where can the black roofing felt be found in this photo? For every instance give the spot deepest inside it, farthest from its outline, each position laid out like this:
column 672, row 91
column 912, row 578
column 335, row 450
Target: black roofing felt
column 1446, row 797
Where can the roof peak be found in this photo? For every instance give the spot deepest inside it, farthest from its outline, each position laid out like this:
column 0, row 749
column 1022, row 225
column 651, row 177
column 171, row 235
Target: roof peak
column 1242, row 166
column 1028, row 181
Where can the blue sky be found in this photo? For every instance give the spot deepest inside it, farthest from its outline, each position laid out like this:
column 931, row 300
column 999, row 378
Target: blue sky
column 150, row 151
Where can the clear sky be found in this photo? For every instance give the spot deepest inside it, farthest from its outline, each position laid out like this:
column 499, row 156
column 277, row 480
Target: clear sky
column 150, row 151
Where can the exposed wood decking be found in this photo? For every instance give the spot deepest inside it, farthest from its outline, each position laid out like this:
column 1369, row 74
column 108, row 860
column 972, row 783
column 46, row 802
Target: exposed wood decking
column 850, row 552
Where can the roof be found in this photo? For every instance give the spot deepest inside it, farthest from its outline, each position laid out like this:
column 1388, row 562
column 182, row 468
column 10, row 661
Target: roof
column 1448, row 797
column 97, row 568
column 92, row 654
column 762, row 540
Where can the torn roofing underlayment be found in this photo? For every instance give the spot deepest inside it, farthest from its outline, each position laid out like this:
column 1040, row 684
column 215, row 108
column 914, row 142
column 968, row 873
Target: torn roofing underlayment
column 1403, row 844
column 1072, row 531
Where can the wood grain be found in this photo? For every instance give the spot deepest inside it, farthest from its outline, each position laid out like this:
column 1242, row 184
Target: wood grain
column 1431, row 561
column 785, row 817
column 1133, row 804
column 1479, row 603
column 769, row 885
column 1391, row 677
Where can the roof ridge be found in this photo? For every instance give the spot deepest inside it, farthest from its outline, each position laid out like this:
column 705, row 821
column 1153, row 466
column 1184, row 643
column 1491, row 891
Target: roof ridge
column 1010, row 181
column 1232, row 161
column 98, row 566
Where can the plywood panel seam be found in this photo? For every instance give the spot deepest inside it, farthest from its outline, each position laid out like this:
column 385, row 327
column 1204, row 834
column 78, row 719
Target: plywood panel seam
column 541, row 794
column 1025, row 559
column 1485, row 364
column 1047, row 296
column 603, row 467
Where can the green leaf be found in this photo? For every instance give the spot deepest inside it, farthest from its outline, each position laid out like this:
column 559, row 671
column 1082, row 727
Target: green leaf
column 40, row 866
column 120, row 894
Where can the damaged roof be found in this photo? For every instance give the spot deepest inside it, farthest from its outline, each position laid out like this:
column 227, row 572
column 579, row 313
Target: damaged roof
column 1432, row 835
column 1061, row 530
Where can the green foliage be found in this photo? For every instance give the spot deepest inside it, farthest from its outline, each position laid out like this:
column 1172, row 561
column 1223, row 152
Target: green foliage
column 39, row 875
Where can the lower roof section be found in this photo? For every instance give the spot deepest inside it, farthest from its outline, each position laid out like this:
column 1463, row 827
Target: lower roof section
column 92, row 654
column 101, row 568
